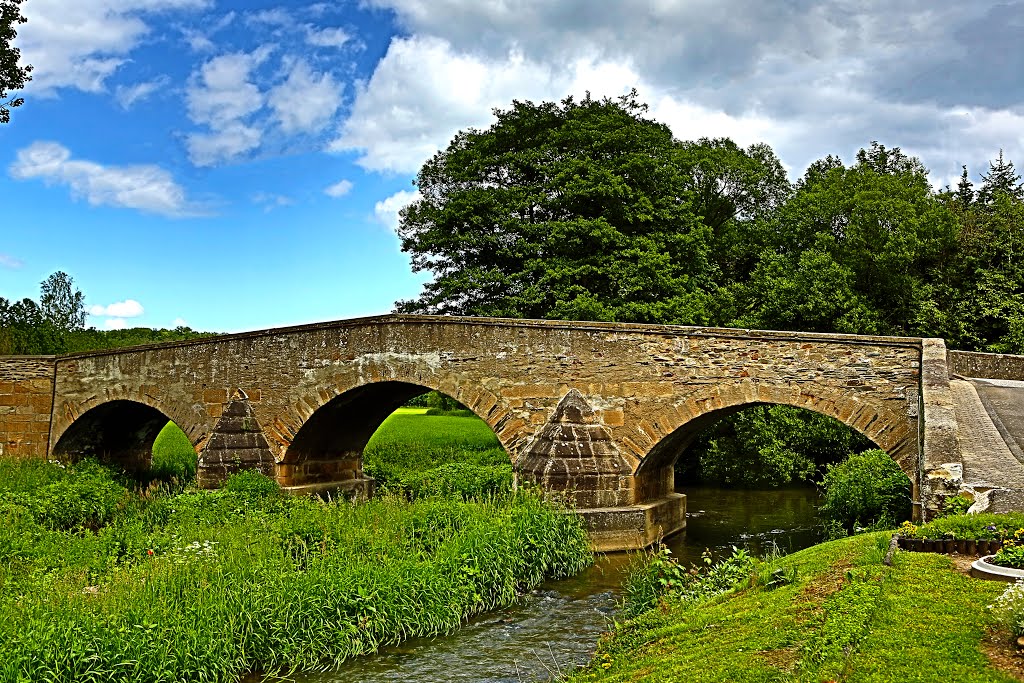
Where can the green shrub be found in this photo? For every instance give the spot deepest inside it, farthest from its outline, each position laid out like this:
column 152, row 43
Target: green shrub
column 956, row 505
column 85, row 494
column 463, row 479
column 981, row 527
column 252, row 484
column 866, row 491
column 659, row 576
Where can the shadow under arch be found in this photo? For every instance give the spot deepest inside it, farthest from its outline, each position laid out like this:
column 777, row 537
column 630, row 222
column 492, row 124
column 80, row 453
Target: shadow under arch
column 328, row 447
column 888, row 431
column 118, row 432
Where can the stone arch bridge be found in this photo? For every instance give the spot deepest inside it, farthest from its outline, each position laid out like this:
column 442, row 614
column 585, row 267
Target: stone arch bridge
column 596, row 411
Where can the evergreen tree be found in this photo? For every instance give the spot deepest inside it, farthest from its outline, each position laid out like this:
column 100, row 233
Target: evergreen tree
column 1001, row 177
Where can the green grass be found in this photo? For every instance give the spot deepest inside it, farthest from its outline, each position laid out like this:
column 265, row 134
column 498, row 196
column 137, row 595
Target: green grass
column 174, row 458
column 846, row 617
column 420, row 454
column 210, row 585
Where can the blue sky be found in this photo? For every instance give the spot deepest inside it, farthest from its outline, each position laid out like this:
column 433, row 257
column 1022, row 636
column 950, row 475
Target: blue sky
column 239, row 165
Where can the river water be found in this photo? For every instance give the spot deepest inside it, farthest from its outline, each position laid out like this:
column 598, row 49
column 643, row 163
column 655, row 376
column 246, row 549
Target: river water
column 557, row 626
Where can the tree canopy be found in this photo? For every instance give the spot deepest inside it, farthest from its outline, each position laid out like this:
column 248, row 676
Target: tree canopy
column 590, row 210
column 581, row 210
column 13, row 77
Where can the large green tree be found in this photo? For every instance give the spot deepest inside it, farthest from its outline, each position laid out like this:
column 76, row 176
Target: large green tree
column 582, row 210
column 856, row 249
column 13, row 76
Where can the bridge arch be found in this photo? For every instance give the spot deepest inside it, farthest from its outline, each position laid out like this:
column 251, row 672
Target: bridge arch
column 120, row 432
column 671, row 431
column 327, row 445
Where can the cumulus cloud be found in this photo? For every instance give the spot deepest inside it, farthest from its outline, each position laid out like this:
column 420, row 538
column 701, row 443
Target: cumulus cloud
column 129, row 308
column 8, row 261
column 339, row 189
column 222, row 96
column 809, row 78
column 180, row 322
column 306, row 101
column 115, row 324
column 386, row 210
column 326, row 37
column 145, row 187
column 80, row 44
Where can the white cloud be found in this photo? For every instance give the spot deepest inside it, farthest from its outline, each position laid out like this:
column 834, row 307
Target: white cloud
column 326, row 37
column 180, row 322
column 128, row 95
column 270, row 201
column 147, row 188
column 223, row 144
column 386, row 210
column 8, row 261
column 80, row 43
column 306, row 101
column 275, row 16
column 129, row 308
column 808, row 78
column 115, row 323
column 338, row 189
column 220, row 96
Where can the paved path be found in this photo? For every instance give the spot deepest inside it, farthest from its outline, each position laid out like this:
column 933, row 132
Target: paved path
column 990, row 415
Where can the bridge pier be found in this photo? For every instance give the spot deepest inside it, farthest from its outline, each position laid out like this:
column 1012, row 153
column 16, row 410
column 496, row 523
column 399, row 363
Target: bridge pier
column 574, row 458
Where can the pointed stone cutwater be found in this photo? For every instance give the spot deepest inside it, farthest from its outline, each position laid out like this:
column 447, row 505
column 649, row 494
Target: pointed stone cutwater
column 237, row 443
column 574, row 453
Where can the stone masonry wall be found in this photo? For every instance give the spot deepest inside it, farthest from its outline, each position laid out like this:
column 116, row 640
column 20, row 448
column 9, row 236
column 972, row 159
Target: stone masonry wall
column 26, row 400
column 638, row 385
column 986, row 365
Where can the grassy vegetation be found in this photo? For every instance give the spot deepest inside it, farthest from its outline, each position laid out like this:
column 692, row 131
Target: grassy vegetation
column 840, row 616
column 420, row 454
column 174, row 458
column 209, row 585
column 101, row 581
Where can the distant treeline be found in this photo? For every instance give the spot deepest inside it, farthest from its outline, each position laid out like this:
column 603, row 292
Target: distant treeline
column 56, row 324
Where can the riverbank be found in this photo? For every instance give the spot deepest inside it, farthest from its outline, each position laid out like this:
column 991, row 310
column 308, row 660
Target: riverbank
column 101, row 583
column 844, row 616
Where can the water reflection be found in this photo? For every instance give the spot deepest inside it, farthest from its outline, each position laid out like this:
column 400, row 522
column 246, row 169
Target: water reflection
column 556, row 627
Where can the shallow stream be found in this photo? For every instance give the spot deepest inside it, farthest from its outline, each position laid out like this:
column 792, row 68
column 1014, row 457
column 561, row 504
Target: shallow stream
column 556, row 627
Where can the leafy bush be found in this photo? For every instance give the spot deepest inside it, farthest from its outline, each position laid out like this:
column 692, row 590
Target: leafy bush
column 768, row 445
column 659, row 577
column 85, row 494
column 864, row 492
column 956, row 505
column 981, row 527
column 252, row 484
column 1009, row 608
column 467, row 480
column 457, row 412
